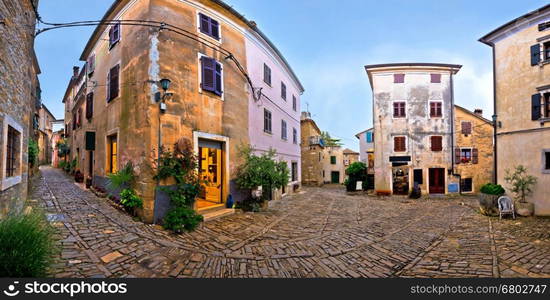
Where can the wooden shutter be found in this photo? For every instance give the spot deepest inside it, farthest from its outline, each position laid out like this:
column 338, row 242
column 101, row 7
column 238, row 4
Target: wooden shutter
column 535, row 107
column 535, row 54
column 475, row 156
column 457, row 155
column 435, row 78
column 113, row 82
column 90, row 141
column 283, row 90
column 89, row 105
column 91, row 64
column 437, row 144
column 204, row 24
column 399, row 144
column 218, row 82
column 398, row 78
column 114, row 34
column 466, row 127
column 214, row 29
column 111, row 39
column 208, row 69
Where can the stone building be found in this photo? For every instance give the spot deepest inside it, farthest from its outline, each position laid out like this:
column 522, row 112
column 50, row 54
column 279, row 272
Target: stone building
column 45, row 134
column 521, row 70
column 473, row 149
column 118, row 110
column 334, row 169
column 312, row 147
column 413, row 140
column 350, row 157
column 19, row 98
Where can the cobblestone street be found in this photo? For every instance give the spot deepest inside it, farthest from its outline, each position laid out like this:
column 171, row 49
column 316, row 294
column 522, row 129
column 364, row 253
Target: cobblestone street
column 321, row 232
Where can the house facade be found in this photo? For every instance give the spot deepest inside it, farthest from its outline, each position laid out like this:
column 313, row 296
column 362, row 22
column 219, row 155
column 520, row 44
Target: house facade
column 521, row 70
column 334, row 169
column 366, row 145
column 19, row 100
column 473, row 149
column 120, row 111
column 350, row 157
column 45, row 134
column 312, row 148
column 413, row 125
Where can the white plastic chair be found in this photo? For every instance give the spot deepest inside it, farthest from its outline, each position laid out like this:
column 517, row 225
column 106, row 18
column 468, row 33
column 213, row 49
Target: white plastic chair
column 506, row 206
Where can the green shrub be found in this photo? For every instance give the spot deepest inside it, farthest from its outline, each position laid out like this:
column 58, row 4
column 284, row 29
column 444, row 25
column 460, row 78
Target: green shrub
column 62, row 164
column 130, row 200
column 72, row 165
column 62, row 148
column 26, row 245
column 125, row 177
column 181, row 218
column 492, row 189
column 357, row 171
column 33, row 152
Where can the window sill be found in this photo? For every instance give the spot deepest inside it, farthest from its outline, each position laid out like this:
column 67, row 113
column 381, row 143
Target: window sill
column 544, row 120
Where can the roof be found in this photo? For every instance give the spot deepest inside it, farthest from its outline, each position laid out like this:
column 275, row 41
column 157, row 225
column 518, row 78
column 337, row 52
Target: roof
column 48, row 111
column 252, row 25
column 485, row 38
column 357, row 135
column 418, row 64
column 349, row 151
column 473, row 114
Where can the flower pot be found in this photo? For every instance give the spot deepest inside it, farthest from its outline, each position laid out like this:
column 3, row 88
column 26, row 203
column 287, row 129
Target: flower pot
column 488, row 204
column 525, row 209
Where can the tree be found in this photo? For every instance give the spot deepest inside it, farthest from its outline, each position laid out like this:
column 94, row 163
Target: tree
column 62, row 148
column 329, row 141
column 521, row 184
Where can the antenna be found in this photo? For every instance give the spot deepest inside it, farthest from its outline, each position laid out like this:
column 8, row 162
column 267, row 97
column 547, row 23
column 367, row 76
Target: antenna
column 307, row 107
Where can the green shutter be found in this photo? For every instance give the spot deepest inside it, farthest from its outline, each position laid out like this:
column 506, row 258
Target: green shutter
column 90, row 140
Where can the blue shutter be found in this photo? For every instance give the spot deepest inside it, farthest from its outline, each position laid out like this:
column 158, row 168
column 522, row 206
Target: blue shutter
column 218, row 82
column 214, row 29
column 204, row 24
column 535, row 54
column 535, row 107
column 208, row 70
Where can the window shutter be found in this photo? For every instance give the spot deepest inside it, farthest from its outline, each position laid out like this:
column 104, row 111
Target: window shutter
column 208, row 74
column 204, row 24
column 111, row 39
column 90, row 140
column 113, row 82
column 466, row 127
column 91, row 64
column 219, row 79
column 89, row 105
column 474, row 156
column 432, row 109
column 535, row 107
column 535, row 54
column 398, row 78
column 214, row 29
column 283, row 90
column 457, row 155
column 435, row 78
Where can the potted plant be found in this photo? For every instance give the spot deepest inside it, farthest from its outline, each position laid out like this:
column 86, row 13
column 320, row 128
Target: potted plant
column 78, row 176
column 488, row 198
column 521, row 186
column 88, row 182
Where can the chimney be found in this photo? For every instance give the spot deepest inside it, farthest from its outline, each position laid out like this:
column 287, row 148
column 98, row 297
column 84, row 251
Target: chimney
column 479, row 112
column 75, row 71
column 305, row 115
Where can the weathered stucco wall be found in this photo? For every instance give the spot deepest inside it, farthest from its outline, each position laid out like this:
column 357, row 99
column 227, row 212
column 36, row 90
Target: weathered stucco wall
column 17, row 87
column 481, row 138
column 328, row 167
column 364, row 146
column 417, row 91
column 521, row 140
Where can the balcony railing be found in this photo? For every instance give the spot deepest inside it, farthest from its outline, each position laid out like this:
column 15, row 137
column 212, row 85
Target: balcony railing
column 316, row 140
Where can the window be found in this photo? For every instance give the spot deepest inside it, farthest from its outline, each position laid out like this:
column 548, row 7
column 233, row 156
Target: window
column 209, row 26
column 546, row 51
column 466, row 185
column 333, row 160
column 91, row 64
column 114, row 35
column 436, row 110
column 267, row 121
column 211, row 75
column 466, row 127
column 546, row 158
column 294, row 103
column 89, row 106
column 398, row 78
column 435, row 78
column 294, row 167
column 346, row 162
column 466, row 155
column 399, row 110
column 283, row 130
column 546, row 105
column 436, row 143
column 417, row 176
column 267, row 75
column 294, row 136
column 283, row 91
column 79, row 118
column 113, row 83
column 12, row 151
column 399, row 144
column 112, row 152
column 369, row 137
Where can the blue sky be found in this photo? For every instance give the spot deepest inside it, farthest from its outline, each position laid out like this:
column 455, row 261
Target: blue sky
column 327, row 45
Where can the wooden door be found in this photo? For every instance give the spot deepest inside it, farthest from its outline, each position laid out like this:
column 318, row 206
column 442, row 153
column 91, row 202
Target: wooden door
column 335, row 177
column 437, row 181
column 211, row 173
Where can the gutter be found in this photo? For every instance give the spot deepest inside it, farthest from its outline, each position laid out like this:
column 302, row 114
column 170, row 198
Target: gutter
column 453, row 137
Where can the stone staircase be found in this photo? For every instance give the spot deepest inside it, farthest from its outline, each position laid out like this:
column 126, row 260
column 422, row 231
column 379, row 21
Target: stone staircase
column 214, row 212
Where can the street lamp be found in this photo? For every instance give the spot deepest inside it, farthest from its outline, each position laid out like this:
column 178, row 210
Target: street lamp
column 165, row 84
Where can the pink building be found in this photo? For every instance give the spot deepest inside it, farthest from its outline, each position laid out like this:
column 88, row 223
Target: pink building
column 274, row 110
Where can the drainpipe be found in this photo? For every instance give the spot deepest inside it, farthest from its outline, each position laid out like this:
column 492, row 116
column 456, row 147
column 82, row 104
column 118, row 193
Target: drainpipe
column 453, row 136
column 494, row 117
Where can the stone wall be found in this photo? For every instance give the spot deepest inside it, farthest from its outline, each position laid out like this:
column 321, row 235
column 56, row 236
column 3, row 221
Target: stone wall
column 17, row 85
column 312, row 155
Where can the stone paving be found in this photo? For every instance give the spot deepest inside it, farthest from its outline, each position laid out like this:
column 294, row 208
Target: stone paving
column 321, row 232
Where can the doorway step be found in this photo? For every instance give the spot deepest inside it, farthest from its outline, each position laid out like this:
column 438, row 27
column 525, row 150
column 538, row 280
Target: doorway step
column 216, row 211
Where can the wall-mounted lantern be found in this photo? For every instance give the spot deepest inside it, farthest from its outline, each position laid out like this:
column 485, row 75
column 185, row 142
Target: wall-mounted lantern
column 161, row 97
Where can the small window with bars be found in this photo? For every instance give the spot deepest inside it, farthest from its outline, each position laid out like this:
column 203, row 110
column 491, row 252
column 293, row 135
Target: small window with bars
column 12, row 152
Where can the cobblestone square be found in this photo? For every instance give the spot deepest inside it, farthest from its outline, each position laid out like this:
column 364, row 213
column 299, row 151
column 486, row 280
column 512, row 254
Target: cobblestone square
column 321, row 232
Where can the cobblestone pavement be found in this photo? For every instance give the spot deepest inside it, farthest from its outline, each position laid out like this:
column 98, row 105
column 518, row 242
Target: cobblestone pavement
column 321, row 232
